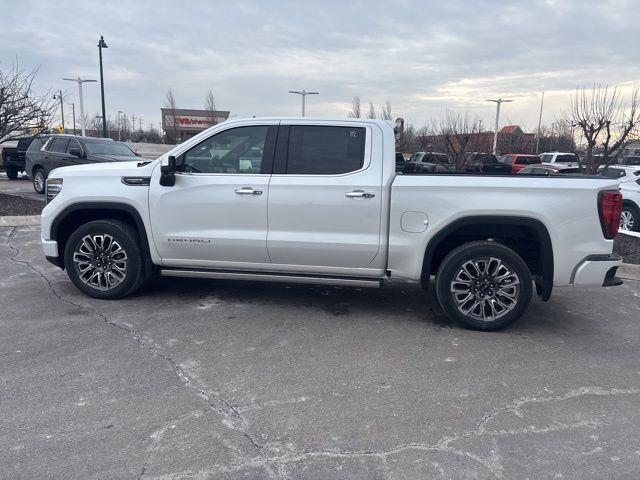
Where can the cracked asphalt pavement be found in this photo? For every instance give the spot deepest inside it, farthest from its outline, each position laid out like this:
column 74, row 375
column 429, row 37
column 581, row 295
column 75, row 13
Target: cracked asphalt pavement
column 226, row 380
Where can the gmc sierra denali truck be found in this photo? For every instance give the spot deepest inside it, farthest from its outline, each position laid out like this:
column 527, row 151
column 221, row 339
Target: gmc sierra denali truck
column 319, row 201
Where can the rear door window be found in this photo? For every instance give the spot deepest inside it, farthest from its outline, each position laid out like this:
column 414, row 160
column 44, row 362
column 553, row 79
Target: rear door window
column 324, row 150
column 59, row 145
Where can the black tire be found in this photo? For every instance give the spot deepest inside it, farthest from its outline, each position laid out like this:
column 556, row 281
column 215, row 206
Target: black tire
column 496, row 302
column 12, row 173
column 132, row 264
column 39, row 180
column 633, row 216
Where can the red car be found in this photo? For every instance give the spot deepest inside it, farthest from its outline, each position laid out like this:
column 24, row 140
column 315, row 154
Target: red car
column 518, row 161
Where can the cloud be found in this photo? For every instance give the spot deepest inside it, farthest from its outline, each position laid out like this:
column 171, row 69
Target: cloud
column 423, row 56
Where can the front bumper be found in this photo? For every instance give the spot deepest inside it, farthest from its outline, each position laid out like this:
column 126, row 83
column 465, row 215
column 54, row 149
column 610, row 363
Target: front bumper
column 50, row 248
column 597, row 271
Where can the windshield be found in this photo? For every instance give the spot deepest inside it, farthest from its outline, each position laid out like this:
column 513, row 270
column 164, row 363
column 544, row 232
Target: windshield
column 109, row 148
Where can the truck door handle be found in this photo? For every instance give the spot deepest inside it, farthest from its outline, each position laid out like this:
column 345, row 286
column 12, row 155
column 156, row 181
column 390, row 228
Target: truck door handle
column 248, row 191
column 359, row 193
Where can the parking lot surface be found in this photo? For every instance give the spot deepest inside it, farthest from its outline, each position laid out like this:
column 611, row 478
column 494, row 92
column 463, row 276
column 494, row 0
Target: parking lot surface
column 211, row 379
column 21, row 186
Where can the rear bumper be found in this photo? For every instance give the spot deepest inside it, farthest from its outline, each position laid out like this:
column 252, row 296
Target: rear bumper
column 597, row 271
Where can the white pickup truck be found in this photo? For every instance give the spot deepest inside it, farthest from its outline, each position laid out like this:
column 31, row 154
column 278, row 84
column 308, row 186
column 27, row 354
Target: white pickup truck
column 319, row 201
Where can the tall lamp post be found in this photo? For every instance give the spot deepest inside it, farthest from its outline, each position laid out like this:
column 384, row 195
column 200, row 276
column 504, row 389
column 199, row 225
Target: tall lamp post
column 539, row 125
column 58, row 96
column 498, row 102
column 303, row 94
column 101, row 45
column 80, row 81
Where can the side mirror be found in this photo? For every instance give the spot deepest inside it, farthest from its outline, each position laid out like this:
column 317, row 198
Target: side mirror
column 76, row 152
column 168, row 172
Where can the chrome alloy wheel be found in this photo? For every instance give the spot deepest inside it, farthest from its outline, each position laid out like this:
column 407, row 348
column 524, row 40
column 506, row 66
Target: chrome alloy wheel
column 101, row 261
column 39, row 181
column 626, row 220
column 485, row 289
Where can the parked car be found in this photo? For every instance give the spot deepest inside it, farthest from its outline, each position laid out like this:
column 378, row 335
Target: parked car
column 629, row 161
column 428, row 162
column 569, row 159
column 630, row 214
column 13, row 158
column 329, row 208
column 548, row 169
column 518, row 161
column 485, row 163
column 67, row 150
column 400, row 161
column 622, row 172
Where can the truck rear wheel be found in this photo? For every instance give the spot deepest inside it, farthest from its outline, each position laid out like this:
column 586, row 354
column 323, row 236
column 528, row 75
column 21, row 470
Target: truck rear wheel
column 104, row 259
column 483, row 285
column 12, row 173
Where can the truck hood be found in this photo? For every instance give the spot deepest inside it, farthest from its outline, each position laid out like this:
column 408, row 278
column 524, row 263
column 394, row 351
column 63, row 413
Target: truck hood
column 115, row 168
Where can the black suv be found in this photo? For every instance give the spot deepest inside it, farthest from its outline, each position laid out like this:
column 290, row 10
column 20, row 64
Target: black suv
column 429, row 162
column 67, row 150
column 14, row 158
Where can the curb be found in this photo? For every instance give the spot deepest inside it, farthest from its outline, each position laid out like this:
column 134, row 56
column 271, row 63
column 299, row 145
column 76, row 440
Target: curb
column 20, row 221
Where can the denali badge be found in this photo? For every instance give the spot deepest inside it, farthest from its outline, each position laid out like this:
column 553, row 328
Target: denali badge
column 188, row 240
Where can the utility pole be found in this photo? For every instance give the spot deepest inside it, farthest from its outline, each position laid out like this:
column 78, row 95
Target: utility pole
column 80, row 81
column 498, row 102
column 73, row 110
column 303, row 94
column 539, row 125
column 101, row 45
column 59, row 97
column 119, row 125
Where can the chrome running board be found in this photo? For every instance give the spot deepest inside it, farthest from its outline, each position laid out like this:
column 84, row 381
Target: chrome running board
column 273, row 277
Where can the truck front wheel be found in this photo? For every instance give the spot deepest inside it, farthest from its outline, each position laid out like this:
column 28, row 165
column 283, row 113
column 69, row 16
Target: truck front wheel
column 104, row 259
column 483, row 285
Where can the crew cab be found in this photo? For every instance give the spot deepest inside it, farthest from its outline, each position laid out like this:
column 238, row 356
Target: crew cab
column 322, row 204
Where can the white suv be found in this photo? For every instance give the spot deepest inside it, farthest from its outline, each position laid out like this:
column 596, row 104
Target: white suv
column 569, row 159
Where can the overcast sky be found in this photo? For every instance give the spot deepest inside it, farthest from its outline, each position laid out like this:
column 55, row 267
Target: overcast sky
column 423, row 56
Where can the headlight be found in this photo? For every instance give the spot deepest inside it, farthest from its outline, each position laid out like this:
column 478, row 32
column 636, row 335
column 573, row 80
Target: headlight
column 52, row 188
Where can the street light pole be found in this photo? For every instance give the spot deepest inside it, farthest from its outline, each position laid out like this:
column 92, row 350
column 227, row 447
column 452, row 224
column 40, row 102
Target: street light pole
column 303, row 94
column 119, row 124
column 73, row 110
column 59, row 97
column 101, row 45
column 80, row 81
column 539, row 125
column 498, row 102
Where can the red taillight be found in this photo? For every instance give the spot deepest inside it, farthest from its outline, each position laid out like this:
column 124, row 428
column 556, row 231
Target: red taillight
column 609, row 208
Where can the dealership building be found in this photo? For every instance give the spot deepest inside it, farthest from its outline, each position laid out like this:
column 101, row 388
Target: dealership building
column 180, row 124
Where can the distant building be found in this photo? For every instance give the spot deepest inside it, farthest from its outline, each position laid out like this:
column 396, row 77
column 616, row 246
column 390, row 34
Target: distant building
column 181, row 124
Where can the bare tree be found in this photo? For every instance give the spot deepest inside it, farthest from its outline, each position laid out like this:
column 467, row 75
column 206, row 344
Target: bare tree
column 20, row 109
column 606, row 121
column 372, row 111
column 458, row 135
column 386, row 111
column 210, row 106
column 170, row 104
column 355, row 108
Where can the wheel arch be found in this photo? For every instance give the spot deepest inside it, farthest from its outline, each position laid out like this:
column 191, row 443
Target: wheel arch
column 78, row 214
column 482, row 227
